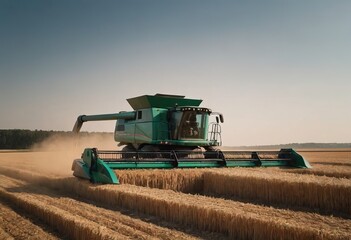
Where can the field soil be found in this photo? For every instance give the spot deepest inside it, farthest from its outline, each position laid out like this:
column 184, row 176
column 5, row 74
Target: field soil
column 39, row 199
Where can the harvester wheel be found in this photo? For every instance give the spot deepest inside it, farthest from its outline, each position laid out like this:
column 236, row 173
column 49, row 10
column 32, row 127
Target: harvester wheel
column 149, row 151
column 128, row 151
column 211, row 152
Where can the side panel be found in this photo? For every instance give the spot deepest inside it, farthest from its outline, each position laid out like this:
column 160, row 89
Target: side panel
column 143, row 126
column 149, row 126
column 124, row 131
column 160, row 124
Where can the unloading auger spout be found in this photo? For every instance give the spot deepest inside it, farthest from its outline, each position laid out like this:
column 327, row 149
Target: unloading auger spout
column 101, row 117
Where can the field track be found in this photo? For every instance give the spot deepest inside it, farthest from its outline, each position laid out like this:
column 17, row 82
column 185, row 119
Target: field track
column 179, row 204
column 13, row 225
column 89, row 221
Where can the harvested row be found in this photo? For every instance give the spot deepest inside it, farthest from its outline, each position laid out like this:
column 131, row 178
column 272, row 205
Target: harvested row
column 182, row 180
column 113, row 220
column 318, row 193
column 73, row 226
column 12, row 225
column 325, row 170
column 331, row 195
column 4, row 235
column 238, row 220
column 235, row 219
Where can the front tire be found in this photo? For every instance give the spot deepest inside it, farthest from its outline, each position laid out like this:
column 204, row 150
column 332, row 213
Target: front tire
column 150, row 151
column 128, row 152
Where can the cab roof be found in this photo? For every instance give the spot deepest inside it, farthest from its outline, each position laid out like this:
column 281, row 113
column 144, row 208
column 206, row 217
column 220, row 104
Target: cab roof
column 162, row 101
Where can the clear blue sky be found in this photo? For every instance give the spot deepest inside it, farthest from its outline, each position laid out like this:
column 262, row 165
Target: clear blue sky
column 279, row 71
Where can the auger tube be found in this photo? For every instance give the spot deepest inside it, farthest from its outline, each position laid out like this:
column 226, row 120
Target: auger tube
column 101, row 117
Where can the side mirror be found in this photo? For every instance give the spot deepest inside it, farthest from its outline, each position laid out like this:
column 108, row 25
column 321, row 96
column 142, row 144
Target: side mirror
column 221, row 118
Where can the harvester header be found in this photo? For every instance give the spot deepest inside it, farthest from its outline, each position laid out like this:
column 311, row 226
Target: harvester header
column 169, row 131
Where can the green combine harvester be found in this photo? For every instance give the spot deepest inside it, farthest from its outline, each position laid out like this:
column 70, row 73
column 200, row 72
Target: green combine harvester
column 169, row 131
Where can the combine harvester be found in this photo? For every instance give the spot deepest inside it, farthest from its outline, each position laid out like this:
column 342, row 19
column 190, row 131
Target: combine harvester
column 169, row 131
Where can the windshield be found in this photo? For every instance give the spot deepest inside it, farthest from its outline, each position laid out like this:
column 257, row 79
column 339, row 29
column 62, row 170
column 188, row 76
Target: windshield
column 192, row 125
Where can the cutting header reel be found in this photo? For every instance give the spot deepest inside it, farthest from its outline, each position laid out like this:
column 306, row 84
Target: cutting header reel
column 98, row 166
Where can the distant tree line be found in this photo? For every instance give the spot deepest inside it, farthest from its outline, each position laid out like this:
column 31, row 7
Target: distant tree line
column 25, row 139
column 21, row 139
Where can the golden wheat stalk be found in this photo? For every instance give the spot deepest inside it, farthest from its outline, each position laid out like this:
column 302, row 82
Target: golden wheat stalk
column 4, row 235
column 337, row 171
column 315, row 192
column 14, row 225
column 182, row 180
column 114, row 220
column 236, row 219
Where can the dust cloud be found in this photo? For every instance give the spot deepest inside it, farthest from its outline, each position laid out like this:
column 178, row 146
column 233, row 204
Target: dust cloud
column 56, row 154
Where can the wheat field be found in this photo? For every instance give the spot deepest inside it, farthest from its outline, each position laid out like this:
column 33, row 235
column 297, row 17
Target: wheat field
column 37, row 202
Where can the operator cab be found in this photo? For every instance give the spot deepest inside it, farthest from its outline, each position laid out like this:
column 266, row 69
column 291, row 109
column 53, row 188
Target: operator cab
column 189, row 123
